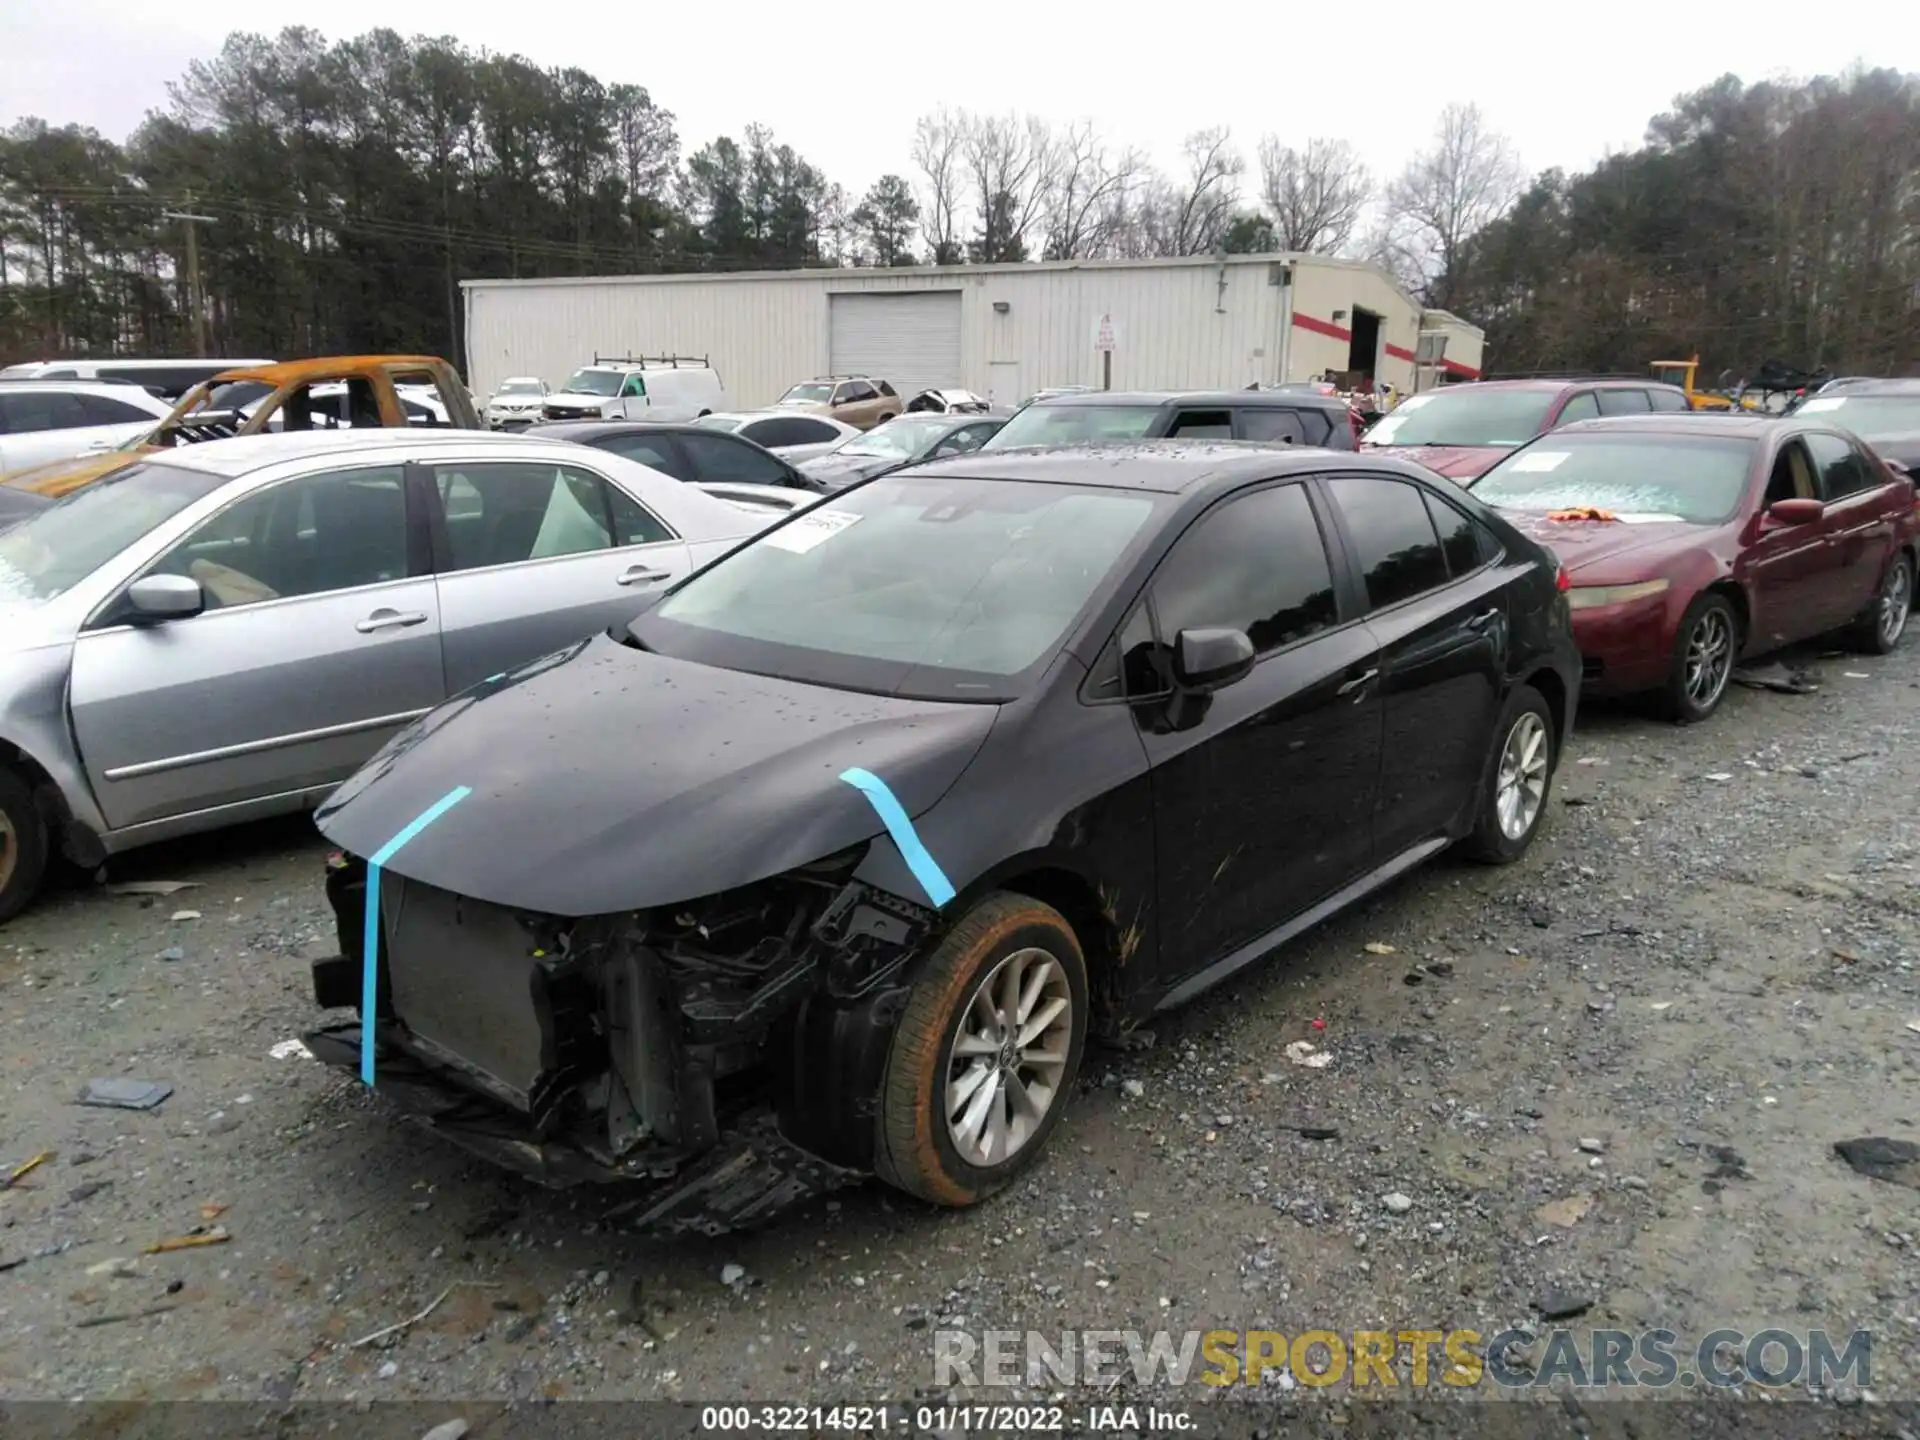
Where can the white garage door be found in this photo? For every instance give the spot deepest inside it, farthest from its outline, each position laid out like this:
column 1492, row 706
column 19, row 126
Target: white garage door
column 911, row 340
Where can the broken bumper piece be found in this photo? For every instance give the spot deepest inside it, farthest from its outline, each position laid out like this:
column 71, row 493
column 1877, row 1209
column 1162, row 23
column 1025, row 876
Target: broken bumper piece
column 751, row 1175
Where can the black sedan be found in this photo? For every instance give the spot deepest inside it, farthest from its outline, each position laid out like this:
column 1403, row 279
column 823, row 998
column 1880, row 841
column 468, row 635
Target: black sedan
column 903, row 440
column 829, row 864
column 696, row 453
column 1884, row 413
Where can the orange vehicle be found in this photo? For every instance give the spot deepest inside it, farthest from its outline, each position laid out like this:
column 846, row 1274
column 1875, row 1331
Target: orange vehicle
column 332, row 392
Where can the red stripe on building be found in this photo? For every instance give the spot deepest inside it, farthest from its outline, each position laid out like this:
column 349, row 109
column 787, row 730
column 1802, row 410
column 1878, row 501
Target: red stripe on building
column 1465, row 372
column 1335, row 332
column 1322, row 327
column 1399, row 352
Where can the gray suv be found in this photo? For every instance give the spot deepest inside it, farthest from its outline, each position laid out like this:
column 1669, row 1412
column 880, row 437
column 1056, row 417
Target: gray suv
column 1288, row 417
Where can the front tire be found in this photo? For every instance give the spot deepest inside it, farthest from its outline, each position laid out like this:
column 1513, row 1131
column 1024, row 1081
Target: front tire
column 23, row 844
column 1704, row 651
column 1519, row 778
column 985, row 1054
column 1883, row 624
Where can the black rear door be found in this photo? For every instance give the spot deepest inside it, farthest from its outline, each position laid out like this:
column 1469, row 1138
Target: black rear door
column 1437, row 611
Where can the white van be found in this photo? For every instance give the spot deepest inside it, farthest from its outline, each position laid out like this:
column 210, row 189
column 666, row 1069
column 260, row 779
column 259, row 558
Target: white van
column 168, row 379
column 639, row 387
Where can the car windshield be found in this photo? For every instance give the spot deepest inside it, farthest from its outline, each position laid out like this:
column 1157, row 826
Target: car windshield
column 811, row 394
column 1044, row 424
column 979, row 577
column 595, row 382
column 721, row 422
column 519, row 387
column 1464, row 416
column 1633, row 477
column 54, row 549
column 899, row 439
column 1868, row 416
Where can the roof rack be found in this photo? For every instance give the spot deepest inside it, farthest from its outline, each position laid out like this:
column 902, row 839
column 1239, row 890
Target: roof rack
column 1570, row 375
column 671, row 362
column 862, row 375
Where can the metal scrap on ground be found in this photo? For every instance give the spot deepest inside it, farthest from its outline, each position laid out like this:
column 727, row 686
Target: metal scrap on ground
column 117, row 1094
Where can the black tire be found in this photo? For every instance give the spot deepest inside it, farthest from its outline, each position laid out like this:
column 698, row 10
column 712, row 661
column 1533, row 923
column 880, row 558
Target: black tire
column 1691, row 695
column 1881, row 627
column 1491, row 842
column 914, row 1149
column 23, row 844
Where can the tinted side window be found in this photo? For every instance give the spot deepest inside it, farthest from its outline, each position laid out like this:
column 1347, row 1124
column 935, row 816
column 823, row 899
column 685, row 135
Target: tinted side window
column 1271, row 423
column 1393, row 538
column 1256, row 564
column 721, row 457
column 802, row 431
column 885, row 389
column 1316, row 425
column 1668, row 401
column 333, row 531
column 1459, row 537
column 655, row 451
column 510, row 514
column 1202, row 425
column 104, row 410
column 1579, row 407
column 633, row 523
column 25, row 412
column 1623, row 402
column 1843, row 469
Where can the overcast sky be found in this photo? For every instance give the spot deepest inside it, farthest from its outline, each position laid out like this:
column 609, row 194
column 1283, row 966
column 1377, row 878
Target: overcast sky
column 843, row 85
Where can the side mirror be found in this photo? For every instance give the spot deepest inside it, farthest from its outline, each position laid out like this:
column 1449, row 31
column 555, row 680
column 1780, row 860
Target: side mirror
column 1795, row 512
column 165, row 597
column 1206, row 660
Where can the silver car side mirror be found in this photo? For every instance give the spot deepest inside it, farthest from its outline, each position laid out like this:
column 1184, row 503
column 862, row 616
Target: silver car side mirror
column 165, row 597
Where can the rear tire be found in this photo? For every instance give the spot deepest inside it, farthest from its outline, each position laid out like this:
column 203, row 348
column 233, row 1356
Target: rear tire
column 985, row 1055
column 1518, row 780
column 23, row 844
column 1700, row 671
column 1883, row 624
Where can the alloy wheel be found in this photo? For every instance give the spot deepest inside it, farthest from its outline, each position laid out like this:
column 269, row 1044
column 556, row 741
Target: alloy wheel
column 1522, row 780
column 1709, row 662
column 1009, row 1056
column 9, row 850
column 1896, row 602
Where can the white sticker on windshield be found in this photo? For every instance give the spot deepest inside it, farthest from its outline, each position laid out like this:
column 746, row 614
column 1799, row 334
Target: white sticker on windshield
column 1821, row 403
column 811, row 529
column 1536, row 462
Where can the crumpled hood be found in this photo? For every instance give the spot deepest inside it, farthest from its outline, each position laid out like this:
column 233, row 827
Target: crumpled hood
column 1456, row 462
column 606, row 779
column 1581, row 543
column 58, row 477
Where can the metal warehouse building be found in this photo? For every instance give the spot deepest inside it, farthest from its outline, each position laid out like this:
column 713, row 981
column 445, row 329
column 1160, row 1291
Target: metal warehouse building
column 1002, row 330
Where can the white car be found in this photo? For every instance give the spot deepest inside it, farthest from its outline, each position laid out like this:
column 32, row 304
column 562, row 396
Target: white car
column 792, row 437
column 516, row 402
column 43, row 421
column 667, row 387
column 947, row 402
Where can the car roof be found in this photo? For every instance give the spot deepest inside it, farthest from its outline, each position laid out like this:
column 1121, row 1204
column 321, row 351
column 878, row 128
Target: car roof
column 324, row 367
column 244, row 454
column 1268, row 399
column 1167, row 466
column 774, row 412
column 1684, row 423
column 582, row 431
column 112, row 389
column 1871, row 385
column 1558, row 382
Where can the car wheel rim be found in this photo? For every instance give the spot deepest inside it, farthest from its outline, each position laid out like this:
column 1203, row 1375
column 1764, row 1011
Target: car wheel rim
column 1896, row 602
column 1709, row 658
column 9, row 850
column 1523, row 776
column 1009, row 1057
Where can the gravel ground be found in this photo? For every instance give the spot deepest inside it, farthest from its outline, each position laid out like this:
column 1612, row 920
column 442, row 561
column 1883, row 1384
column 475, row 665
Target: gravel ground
column 1711, row 946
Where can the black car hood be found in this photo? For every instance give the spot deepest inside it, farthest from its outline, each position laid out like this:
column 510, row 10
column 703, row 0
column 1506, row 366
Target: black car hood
column 605, row 779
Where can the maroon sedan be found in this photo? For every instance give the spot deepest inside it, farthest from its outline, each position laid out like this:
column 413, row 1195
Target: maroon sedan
column 1690, row 541
column 1460, row 430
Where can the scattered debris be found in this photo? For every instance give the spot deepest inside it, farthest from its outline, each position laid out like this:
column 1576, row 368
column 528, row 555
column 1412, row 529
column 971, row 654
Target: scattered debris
column 1565, row 1213
column 1378, row 947
column 180, row 915
column 1562, row 1305
column 447, row 1430
column 1718, row 775
column 1316, row 1132
column 1135, row 1040
column 1132, row 1089
column 96, row 1320
column 1396, row 1203
column 1591, row 1145
column 213, row 1211
column 731, row 1274
column 1878, row 1158
column 113, row 1093
column 402, row 1326
column 1914, row 1025
column 87, row 1191
column 1414, row 977
column 1302, row 1052
column 48, row 1253
column 1590, row 760
column 193, row 1240
column 290, row 1050
column 173, row 953
column 20, row 1172
column 1778, row 677
column 1856, row 675
column 119, row 1267
column 1728, row 1164
column 151, row 887
column 174, row 1287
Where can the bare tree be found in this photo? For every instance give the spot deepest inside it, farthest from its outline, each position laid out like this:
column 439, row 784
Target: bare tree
column 1087, row 191
column 939, row 142
column 1315, row 196
column 1200, row 207
column 1008, row 161
column 1447, row 194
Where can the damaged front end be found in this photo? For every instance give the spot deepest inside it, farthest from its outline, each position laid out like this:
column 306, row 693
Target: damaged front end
column 720, row 1056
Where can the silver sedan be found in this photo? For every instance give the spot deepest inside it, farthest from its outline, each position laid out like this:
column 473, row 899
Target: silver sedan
column 792, row 436
column 227, row 630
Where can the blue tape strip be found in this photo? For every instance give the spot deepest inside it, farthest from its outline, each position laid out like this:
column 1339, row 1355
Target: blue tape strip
column 370, row 938
column 894, row 816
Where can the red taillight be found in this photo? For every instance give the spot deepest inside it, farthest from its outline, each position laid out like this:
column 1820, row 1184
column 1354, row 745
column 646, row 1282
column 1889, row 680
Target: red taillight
column 1562, row 581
